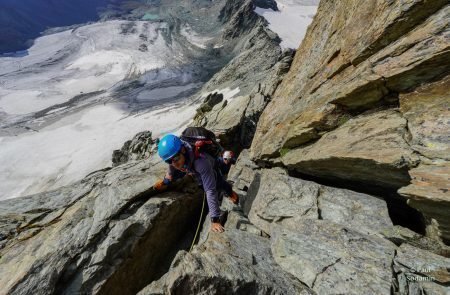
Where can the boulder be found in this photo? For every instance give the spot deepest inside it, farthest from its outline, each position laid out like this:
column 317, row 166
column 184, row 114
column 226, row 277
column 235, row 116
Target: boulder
column 281, row 198
column 361, row 212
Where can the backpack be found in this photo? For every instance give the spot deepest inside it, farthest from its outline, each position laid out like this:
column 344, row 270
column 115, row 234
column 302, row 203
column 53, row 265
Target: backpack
column 202, row 140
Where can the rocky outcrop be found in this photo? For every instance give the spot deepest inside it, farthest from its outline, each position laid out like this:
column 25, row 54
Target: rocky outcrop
column 256, row 49
column 235, row 119
column 101, row 233
column 140, row 147
column 364, row 101
column 256, row 70
column 361, row 150
column 210, row 101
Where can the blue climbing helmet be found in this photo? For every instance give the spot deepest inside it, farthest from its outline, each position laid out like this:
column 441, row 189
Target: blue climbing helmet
column 169, row 146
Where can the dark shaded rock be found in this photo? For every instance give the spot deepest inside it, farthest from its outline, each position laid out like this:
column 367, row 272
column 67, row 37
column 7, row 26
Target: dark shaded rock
column 268, row 4
column 140, row 147
column 210, row 101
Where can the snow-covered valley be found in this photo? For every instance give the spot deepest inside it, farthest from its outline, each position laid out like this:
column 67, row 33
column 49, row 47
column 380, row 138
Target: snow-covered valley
column 291, row 20
column 79, row 94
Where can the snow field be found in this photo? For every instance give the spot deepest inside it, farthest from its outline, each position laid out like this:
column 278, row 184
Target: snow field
column 291, row 21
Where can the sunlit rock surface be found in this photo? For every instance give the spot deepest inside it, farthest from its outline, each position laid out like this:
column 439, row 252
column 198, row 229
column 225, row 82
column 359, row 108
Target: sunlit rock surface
column 364, row 100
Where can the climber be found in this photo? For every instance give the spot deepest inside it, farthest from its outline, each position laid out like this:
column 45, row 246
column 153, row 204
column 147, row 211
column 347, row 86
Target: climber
column 226, row 161
column 182, row 160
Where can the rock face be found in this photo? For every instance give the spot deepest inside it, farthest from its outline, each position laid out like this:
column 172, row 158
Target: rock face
column 235, row 262
column 333, row 241
column 361, row 150
column 331, row 258
column 426, row 110
column 365, row 101
column 350, row 64
column 84, row 238
column 429, row 193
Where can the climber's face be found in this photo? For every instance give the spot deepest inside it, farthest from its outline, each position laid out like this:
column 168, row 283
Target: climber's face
column 179, row 160
column 227, row 161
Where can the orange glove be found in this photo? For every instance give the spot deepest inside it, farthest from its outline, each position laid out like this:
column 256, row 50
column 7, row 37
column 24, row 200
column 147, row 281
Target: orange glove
column 234, row 198
column 160, row 186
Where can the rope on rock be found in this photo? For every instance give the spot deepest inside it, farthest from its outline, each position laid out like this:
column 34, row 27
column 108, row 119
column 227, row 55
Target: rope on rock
column 199, row 222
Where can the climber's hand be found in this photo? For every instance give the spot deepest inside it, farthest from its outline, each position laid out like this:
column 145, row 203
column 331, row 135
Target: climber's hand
column 160, row 186
column 217, row 227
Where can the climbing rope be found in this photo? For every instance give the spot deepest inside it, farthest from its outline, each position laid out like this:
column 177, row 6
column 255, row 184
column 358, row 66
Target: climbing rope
column 199, row 222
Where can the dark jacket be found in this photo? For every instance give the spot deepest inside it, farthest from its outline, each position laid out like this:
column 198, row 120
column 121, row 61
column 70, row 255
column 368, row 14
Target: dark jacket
column 205, row 170
column 224, row 168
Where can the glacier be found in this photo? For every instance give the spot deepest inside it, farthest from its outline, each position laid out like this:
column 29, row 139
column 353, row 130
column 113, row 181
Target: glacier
column 291, row 20
column 79, row 94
